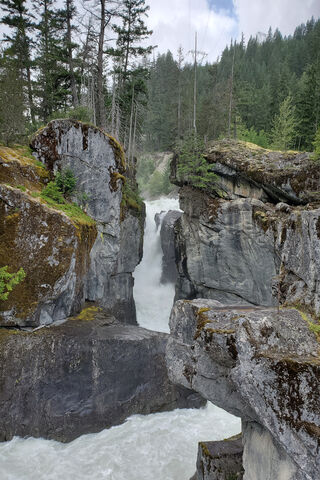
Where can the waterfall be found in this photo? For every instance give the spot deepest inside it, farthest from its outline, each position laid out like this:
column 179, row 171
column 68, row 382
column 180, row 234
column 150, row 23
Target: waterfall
column 162, row 446
column 153, row 300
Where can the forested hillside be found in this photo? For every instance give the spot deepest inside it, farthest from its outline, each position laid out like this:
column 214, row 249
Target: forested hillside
column 93, row 65
column 275, row 93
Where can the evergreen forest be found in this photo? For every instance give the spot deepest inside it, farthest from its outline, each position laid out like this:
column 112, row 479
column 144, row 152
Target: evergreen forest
column 92, row 64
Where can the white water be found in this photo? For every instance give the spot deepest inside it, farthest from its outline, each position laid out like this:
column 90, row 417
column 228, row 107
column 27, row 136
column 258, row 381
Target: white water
column 161, row 446
column 153, row 300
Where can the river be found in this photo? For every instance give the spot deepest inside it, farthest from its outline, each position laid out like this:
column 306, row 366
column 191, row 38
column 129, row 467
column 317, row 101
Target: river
column 161, row 446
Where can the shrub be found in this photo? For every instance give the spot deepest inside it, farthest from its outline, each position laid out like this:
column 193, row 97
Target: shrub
column 52, row 192
column 66, row 181
column 9, row 280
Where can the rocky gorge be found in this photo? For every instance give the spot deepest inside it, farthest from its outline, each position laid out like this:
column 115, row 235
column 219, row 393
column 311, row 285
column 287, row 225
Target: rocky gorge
column 73, row 359
column 244, row 331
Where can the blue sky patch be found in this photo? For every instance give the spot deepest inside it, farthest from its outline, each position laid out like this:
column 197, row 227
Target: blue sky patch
column 222, row 5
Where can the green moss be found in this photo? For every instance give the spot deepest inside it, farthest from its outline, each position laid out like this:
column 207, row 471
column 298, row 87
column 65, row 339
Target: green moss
column 118, row 152
column 71, row 209
column 202, row 320
column 114, row 177
column 131, row 200
column 22, row 188
column 205, row 449
column 88, row 314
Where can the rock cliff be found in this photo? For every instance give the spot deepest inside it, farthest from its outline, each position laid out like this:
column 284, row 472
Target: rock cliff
column 81, row 370
column 234, row 240
column 246, row 243
column 167, row 236
column 68, row 258
column 52, row 247
column 261, row 365
column 98, row 163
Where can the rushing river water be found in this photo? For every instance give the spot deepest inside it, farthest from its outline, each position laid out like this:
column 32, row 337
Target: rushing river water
column 161, row 446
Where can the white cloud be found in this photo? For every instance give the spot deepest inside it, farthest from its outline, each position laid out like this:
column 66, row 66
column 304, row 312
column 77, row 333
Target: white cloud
column 258, row 15
column 174, row 23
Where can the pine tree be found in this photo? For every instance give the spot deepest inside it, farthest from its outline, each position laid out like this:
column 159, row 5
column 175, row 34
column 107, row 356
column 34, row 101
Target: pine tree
column 21, row 22
column 128, row 49
column 12, row 103
column 284, row 125
column 50, row 60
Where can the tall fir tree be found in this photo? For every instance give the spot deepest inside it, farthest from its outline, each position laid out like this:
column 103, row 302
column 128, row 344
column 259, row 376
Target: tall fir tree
column 19, row 44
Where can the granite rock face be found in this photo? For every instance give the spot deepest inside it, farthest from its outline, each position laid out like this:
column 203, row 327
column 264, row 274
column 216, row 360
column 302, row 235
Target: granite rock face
column 85, row 375
column 54, row 251
column 167, row 235
column 251, row 238
column 97, row 162
column 222, row 251
column 261, row 365
column 220, row 460
column 67, row 259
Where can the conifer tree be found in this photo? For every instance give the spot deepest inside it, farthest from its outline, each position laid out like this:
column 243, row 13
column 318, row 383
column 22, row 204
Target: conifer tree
column 21, row 23
column 284, row 125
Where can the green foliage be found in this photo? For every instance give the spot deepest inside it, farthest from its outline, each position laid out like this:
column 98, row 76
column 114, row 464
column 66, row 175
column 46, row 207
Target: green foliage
column 284, row 125
column 155, row 186
column 251, row 135
column 316, row 146
column 80, row 113
column 52, row 192
column 64, row 184
column 66, row 181
column 12, row 104
column 9, row 280
column 130, row 198
column 193, row 168
column 145, row 169
column 159, row 183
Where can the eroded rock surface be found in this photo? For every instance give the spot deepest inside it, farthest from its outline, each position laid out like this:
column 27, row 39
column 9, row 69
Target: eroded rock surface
column 259, row 364
column 251, row 229
column 54, row 251
column 67, row 259
column 98, row 164
column 83, row 376
column 220, row 460
column 167, row 236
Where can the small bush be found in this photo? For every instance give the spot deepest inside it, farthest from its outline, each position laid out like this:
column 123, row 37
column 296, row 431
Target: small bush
column 52, row 192
column 9, row 280
column 66, row 181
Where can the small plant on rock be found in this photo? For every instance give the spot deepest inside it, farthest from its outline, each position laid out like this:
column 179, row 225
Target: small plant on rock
column 9, row 280
column 66, row 181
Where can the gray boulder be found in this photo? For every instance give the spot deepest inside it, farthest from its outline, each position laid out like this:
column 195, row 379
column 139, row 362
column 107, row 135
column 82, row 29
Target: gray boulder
column 85, row 375
column 261, row 365
column 220, row 460
column 98, row 164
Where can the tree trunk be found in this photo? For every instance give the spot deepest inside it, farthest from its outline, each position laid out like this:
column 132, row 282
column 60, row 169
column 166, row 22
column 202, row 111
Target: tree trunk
column 101, row 111
column 74, row 93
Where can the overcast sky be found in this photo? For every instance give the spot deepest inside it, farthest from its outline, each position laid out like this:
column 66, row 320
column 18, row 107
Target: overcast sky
column 174, row 22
